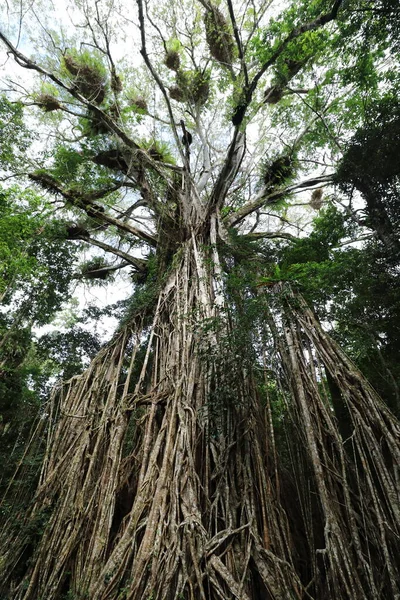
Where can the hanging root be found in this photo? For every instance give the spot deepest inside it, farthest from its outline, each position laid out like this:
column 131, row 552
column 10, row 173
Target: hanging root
column 148, row 490
column 161, row 478
column 355, row 474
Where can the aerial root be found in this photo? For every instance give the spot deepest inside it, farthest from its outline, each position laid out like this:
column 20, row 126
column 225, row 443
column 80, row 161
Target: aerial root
column 154, row 486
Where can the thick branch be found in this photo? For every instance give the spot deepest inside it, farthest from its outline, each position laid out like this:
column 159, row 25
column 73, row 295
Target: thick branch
column 117, row 160
column 205, row 176
column 27, row 63
column 143, row 52
column 260, row 235
column 140, row 265
column 102, row 271
column 269, row 198
column 238, row 42
column 229, row 170
column 86, row 203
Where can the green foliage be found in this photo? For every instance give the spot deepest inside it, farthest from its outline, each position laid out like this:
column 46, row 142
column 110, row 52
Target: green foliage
column 62, row 354
column 373, row 151
column 193, row 86
column 159, row 150
column 35, row 267
column 280, row 171
column 143, row 300
column 18, row 227
column 19, row 402
column 35, row 272
column 174, row 45
column 94, row 269
column 376, row 23
column 48, row 98
column 219, row 36
column 14, row 135
column 84, row 58
column 88, row 73
column 370, row 164
column 75, row 170
column 267, row 40
column 70, row 164
column 367, row 313
column 43, row 291
column 329, row 228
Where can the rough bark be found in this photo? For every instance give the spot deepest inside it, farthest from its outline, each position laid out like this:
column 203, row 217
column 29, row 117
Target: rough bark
column 158, row 488
column 162, row 477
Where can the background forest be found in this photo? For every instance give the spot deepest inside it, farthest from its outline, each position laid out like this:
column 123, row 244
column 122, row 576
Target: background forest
column 231, row 169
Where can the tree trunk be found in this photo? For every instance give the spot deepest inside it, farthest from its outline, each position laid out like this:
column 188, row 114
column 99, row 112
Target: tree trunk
column 160, row 487
column 161, row 481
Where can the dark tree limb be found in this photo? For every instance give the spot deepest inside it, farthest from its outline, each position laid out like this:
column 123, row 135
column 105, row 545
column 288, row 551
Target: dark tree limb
column 115, row 160
column 238, row 42
column 229, row 169
column 80, row 233
column 102, row 272
column 157, row 79
column 261, row 235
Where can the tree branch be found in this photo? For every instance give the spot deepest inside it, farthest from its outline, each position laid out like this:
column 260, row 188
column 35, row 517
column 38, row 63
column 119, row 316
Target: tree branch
column 143, row 52
column 206, row 174
column 238, row 42
column 140, row 265
column 27, row 63
column 229, row 169
column 269, row 198
column 86, row 203
column 259, row 235
column 104, row 270
column 248, row 91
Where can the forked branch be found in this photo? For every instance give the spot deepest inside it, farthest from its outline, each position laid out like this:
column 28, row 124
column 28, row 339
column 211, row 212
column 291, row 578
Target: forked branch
column 248, row 91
